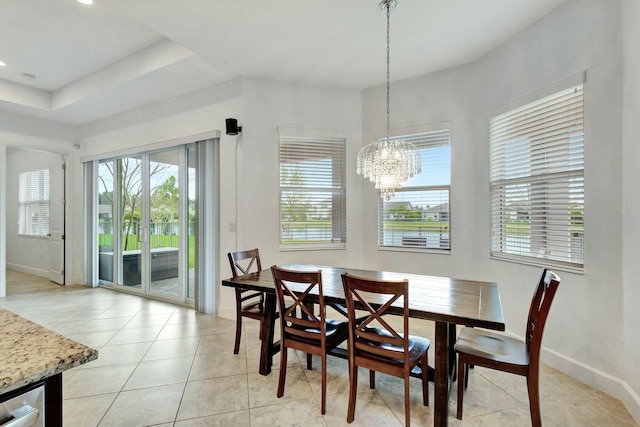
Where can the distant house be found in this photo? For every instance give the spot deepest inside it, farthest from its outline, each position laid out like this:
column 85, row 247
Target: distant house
column 393, row 208
column 436, row 213
column 320, row 209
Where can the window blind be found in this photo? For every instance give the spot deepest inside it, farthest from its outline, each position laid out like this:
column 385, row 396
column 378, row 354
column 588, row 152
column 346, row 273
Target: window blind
column 312, row 191
column 537, row 181
column 419, row 214
column 33, row 203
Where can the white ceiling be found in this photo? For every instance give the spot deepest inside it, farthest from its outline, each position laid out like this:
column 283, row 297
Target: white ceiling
column 95, row 61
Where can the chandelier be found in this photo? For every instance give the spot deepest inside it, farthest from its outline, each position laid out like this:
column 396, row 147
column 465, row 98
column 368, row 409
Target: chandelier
column 388, row 163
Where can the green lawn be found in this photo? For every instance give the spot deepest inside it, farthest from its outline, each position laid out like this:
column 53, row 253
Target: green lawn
column 157, row 241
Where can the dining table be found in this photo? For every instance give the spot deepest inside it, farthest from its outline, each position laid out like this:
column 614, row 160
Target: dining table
column 446, row 301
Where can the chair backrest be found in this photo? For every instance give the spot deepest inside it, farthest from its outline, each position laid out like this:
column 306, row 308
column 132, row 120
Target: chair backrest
column 296, row 319
column 243, row 262
column 538, row 312
column 375, row 297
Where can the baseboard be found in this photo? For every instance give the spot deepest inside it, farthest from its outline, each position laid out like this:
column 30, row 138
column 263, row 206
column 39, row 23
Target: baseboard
column 28, row 270
column 227, row 312
column 593, row 377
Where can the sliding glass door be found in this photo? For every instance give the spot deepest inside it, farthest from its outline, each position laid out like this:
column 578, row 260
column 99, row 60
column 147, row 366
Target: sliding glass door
column 146, row 239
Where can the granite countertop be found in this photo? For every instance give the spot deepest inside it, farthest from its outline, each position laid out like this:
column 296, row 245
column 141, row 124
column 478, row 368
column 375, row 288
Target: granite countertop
column 30, row 352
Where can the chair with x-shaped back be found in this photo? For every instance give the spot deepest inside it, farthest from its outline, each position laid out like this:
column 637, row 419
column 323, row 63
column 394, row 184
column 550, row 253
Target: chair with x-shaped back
column 378, row 346
column 248, row 303
column 301, row 327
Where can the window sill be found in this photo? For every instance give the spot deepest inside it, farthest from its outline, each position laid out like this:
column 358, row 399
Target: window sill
column 35, row 236
column 329, row 247
column 416, row 250
column 540, row 262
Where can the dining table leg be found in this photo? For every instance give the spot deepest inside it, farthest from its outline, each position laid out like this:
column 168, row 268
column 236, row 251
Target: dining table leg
column 267, row 347
column 444, row 334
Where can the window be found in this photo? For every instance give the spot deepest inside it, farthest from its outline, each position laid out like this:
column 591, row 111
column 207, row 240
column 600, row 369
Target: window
column 33, row 203
column 419, row 214
column 312, row 189
column 537, row 182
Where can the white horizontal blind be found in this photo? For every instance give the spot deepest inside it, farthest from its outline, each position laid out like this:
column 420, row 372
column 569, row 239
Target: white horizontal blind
column 33, row 203
column 419, row 214
column 537, row 181
column 312, row 191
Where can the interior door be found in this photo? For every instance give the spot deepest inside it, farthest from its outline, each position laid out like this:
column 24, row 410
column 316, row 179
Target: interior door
column 56, row 248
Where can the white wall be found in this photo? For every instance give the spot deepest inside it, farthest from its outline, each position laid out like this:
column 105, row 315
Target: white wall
column 267, row 105
column 27, row 254
column 190, row 114
column 584, row 334
column 250, row 158
column 631, row 206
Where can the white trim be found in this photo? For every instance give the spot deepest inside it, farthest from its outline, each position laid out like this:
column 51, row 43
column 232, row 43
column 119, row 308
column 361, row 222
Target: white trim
column 227, row 313
column 29, row 270
column 3, row 221
column 214, row 134
column 593, row 377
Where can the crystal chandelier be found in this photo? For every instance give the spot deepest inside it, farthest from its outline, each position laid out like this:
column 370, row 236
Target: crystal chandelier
column 388, row 163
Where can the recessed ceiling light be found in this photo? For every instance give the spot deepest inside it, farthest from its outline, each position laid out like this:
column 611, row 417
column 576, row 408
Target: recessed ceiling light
column 86, row 1
column 2, row 64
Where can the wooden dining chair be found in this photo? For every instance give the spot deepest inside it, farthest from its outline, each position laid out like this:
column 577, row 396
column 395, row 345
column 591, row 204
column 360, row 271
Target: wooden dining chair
column 375, row 344
column 301, row 328
column 248, row 303
column 503, row 353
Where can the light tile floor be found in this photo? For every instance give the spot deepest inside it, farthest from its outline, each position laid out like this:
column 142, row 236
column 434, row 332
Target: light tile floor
column 164, row 365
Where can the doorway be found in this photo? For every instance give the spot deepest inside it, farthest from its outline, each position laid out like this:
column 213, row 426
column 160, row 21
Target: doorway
column 146, row 223
column 35, row 214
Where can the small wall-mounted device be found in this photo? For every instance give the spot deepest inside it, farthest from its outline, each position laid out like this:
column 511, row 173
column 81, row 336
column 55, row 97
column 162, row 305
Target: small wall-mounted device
column 232, row 127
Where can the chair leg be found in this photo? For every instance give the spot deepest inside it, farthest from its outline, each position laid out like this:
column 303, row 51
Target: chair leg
column 353, row 390
column 372, row 378
column 323, row 406
column 534, row 400
column 425, row 379
column 407, row 401
column 283, row 371
column 461, row 381
column 466, row 375
column 309, row 362
column 236, row 348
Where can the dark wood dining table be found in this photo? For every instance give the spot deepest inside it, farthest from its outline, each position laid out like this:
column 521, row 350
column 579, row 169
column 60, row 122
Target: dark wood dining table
column 446, row 301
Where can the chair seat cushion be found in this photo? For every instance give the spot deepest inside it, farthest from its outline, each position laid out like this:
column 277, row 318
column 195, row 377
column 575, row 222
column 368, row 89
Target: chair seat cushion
column 336, row 332
column 493, row 346
column 417, row 346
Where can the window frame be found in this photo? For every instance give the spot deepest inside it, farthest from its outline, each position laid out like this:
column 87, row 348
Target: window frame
column 311, row 140
column 32, row 201
column 412, row 244
column 558, row 237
